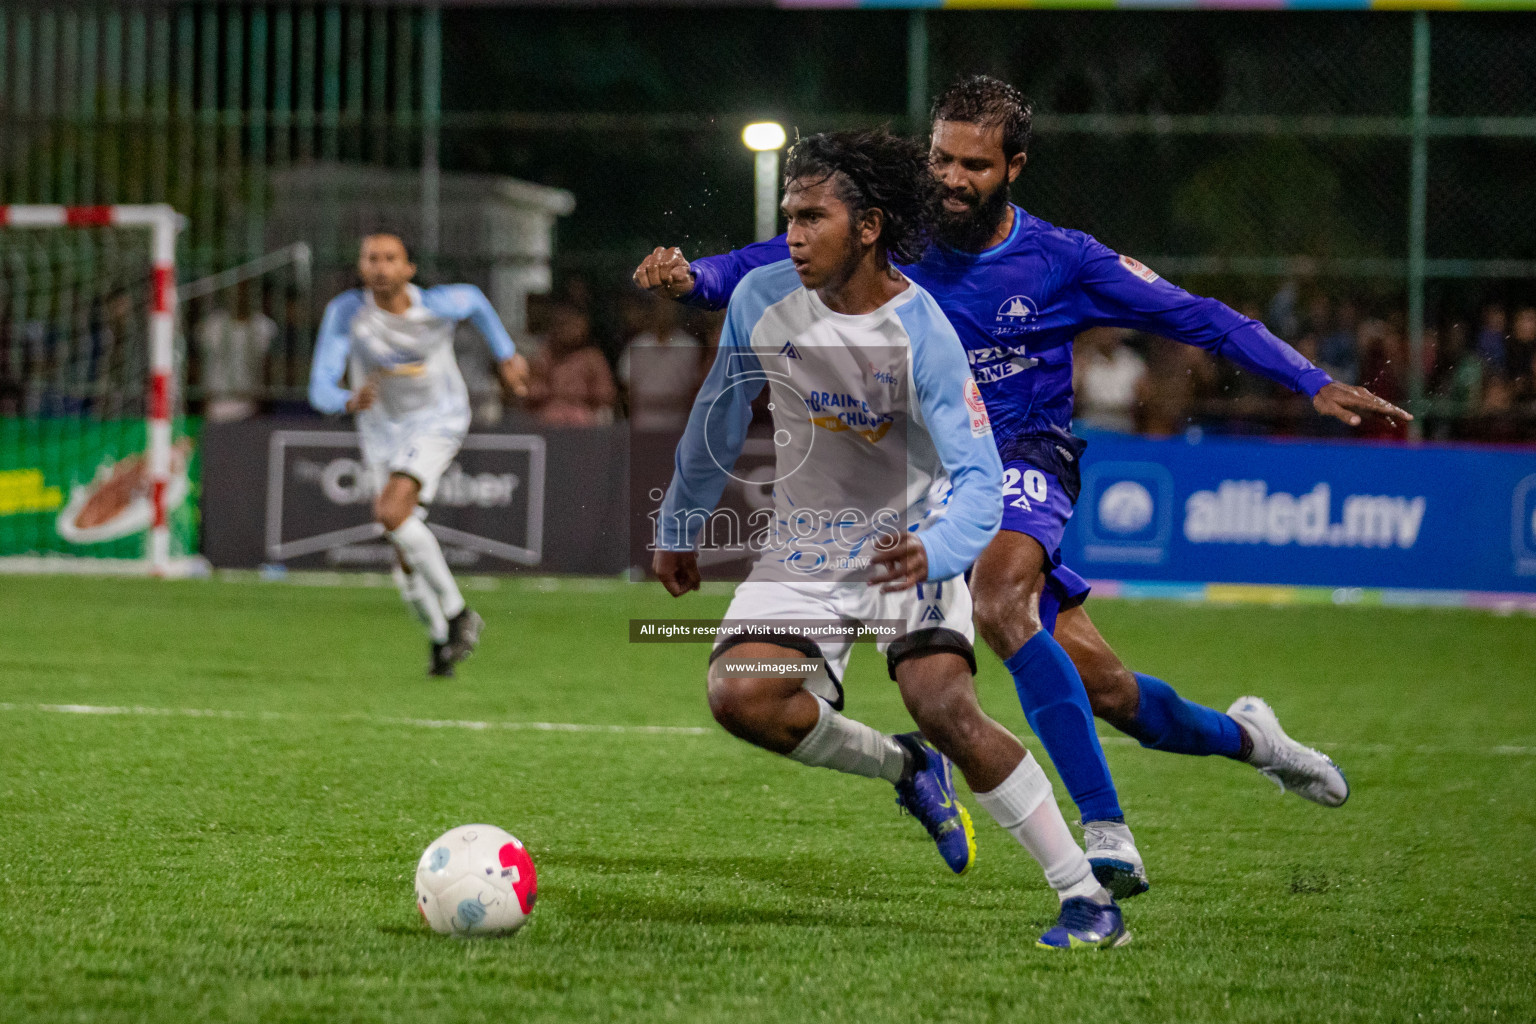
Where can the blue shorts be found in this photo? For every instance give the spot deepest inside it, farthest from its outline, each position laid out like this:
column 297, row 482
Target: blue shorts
column 1064, row 590
column 1036, row 505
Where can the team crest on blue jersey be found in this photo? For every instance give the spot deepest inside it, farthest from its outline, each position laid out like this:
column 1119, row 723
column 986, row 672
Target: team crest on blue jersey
column 1015, row 316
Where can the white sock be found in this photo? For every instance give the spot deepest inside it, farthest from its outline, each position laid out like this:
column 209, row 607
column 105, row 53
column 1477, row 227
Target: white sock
column 423, row 601
column 847, row 746
column 1026, row 807
column 421, row 552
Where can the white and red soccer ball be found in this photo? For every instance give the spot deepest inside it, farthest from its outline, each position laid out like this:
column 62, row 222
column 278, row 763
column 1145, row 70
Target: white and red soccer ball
column 476, row 880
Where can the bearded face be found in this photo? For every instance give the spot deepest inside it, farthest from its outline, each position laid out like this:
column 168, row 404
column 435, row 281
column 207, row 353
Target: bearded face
column 970, row 218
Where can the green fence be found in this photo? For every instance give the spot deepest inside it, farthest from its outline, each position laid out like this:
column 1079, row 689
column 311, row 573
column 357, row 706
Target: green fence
column 1374, row 159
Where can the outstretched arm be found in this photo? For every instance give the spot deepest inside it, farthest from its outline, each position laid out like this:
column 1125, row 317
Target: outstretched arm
column 1121, row 292
column 716, row 431
column 707, row 282
column 332, row 347
column 466, row 302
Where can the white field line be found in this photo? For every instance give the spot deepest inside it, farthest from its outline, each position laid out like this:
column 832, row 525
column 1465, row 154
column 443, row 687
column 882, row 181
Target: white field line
column 632, row 730
column 417, row 723
column 1375, row 748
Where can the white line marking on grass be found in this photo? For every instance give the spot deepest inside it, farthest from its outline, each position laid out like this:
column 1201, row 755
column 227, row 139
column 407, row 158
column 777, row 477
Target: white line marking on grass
column 588, row 727
column 417, row 723
column 1372, row 748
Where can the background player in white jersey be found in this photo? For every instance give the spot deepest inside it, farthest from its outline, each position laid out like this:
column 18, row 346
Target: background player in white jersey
column 873, row 406
column 393, row 342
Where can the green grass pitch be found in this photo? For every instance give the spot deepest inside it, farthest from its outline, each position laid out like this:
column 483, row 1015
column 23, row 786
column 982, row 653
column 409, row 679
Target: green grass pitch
column 256, row 865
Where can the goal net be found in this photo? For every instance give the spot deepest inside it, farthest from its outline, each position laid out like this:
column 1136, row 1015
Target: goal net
column 98, row 465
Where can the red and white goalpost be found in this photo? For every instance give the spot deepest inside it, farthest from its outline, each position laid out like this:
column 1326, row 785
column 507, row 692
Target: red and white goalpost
column 162, row 222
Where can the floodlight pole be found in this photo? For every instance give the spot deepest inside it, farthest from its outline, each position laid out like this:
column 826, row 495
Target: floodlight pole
column 917, row 71
column 765, row 139
column 767, row 193
column 431, row 124
column 1418, row 203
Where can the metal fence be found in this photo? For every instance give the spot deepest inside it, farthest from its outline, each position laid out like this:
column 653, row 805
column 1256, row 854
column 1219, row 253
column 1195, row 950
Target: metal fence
column 1375, row 162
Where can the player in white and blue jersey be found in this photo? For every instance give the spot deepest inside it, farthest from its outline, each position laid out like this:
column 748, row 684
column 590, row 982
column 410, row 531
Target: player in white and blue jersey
column 393, row 343
column 874, row 412
column 1017, row 291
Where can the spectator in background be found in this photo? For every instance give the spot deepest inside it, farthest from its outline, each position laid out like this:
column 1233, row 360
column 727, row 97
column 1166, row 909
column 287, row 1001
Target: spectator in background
column 661, row 367
column 1522, row 352
column 570, row 384
column 1177, row 377
column 1456, row 386
column 1338, row 351
column 481, row 379
column 1490, row 338
column 1281, row 317
column 1384, row 369
column 1318, row 320
column 1106, row 378
column 233, row 344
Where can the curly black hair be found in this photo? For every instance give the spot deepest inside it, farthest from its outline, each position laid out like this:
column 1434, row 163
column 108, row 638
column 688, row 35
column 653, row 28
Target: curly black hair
column 987, row 101
column 875, row 170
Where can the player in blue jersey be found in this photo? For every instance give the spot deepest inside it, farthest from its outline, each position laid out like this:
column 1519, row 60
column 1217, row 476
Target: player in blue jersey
column 875, row 416
column 1017, row 291
column 393, row 342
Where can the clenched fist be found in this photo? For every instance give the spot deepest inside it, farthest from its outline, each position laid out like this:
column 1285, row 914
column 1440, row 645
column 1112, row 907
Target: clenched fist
column 665, row 272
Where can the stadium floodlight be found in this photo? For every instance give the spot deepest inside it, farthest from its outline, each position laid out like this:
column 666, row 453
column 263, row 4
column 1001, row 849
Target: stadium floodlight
column 766, row 138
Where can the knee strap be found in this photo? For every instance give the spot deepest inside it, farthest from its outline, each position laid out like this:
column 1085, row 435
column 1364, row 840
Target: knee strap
column 806, row 646
column 921, row 642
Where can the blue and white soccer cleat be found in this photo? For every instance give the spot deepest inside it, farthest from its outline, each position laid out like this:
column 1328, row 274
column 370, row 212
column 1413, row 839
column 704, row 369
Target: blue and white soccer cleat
column 929, row 796
column 1115, row 860
column 1294, row 767
column 1085, row 924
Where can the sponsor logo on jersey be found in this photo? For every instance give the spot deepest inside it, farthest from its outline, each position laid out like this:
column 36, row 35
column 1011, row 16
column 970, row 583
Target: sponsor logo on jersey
column 788, row 351
column 981, row 424
column 1015, row 316
column 990, row 365
column 841, row 411
column 1017, row 307
column 1138, row 268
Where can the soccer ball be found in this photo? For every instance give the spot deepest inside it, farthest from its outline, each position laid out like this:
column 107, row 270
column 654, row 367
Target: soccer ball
column 475, row 880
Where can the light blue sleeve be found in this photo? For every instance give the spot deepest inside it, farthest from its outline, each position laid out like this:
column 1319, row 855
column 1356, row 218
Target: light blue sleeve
column 722, row 411
column 943, row 377
column 466, row 302
column 332, row 347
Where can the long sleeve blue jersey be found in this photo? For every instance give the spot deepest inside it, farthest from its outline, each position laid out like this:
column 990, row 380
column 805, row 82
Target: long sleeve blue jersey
column 1018, row 305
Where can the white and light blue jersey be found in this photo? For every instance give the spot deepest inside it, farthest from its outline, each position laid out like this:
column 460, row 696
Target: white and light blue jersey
column 409, row 356
column 872, row 415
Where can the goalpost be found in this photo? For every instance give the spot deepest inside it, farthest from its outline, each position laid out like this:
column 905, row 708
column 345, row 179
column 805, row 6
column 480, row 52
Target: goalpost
column 90, row 471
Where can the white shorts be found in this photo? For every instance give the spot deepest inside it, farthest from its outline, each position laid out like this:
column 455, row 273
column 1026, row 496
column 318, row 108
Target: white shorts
column 423, row 456
column 946, row 605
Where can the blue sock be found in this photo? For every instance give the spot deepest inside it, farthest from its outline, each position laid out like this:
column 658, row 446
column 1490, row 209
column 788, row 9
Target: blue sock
column 1056, row 705
column 1166, row 721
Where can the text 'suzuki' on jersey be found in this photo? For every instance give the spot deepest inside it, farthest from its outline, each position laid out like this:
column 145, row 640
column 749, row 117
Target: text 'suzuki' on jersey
column 1018, row 305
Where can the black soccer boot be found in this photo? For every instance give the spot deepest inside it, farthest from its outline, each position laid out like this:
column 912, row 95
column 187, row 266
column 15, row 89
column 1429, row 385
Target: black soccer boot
column 463, row 634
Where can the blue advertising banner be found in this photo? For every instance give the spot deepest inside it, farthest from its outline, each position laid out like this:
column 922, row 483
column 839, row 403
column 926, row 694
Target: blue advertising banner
column 1306, row 513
